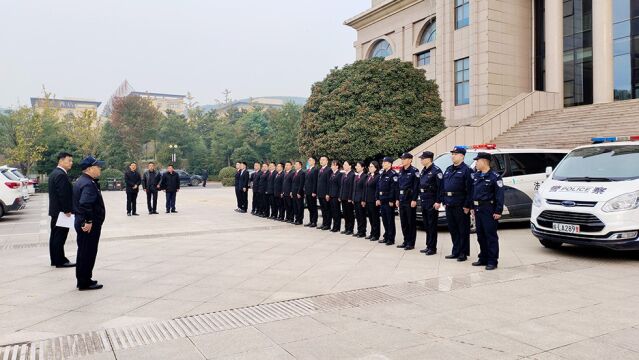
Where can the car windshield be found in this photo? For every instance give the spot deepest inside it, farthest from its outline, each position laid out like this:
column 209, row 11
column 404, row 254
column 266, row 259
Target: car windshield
column 601, row 163
column 10, row 175
column 18, row 174
column 443, row 161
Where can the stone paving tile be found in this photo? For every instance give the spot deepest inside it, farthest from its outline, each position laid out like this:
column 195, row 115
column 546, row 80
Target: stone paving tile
column 179, row 349
column 594, row 349
column 232, row 342
column 295, row 329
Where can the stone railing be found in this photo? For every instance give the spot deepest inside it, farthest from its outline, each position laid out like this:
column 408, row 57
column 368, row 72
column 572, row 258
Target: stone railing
column 492, row 124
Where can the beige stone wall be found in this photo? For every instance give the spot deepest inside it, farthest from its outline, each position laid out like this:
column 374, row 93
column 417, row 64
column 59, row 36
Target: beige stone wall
column 498, row 42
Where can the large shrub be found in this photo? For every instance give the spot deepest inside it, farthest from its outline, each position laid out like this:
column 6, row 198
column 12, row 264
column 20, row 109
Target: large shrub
column 227, row 176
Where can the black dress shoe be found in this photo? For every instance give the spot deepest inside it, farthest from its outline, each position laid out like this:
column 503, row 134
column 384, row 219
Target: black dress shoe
column 335, row 230
column 174, row 211
column 423, row 251
column 128, row 214
column 402, row 245
column 307, row 225
column 409, row 248
column 451, row 256
column 390, row 243
column 382, row 241
column 479, row 263
column 430, row 252
column 348, row 233
column 491, row 267
column 313, row 225
column 66, row 265
column 155, row 213
column 374, row 238
column 135, row 214
column 95, row 286
column 462, row 258
column 343, row 232
column 368, row 237
column 168, row 211
column 298, row 223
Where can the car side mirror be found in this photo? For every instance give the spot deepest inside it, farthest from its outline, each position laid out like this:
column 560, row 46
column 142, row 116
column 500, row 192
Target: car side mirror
column 548, row 171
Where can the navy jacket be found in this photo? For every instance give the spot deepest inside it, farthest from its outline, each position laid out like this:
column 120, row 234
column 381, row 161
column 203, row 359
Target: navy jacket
column 87, row 201
column 323, row 175
column 132, row 178
column 387, row 189
column 359, row 187
column 244, row 180
column 170, row 182
column 430, row 184
column 270, row 183
column 408, row 183
column 334, row 183
column 346, row 188
column 299, row 177
column 488, row 189
column 457, row 186
column 278, row 183
column 261, row 188
column 255, row 180
column 370, row 193
column 287, row 187
column 310, row 181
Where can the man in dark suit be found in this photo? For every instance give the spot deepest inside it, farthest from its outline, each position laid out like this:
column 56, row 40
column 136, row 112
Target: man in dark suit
column 287, row 191
column 244, row 186
column 255, row 184
column 323, row 175
column 298, row 193
column 151, row 185
column 236, row 184
column 346, row 198
column 170, row 183
column 132, row 181
column 278, row 186
column 90, row 213
column 60, row 201
column 310, row 189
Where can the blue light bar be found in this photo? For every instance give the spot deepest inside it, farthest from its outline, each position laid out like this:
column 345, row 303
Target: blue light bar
column 463, row 147
column 598, row 140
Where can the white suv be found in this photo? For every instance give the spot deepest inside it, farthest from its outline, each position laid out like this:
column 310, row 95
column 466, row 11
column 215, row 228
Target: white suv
column 8, row 173
column 10, row 195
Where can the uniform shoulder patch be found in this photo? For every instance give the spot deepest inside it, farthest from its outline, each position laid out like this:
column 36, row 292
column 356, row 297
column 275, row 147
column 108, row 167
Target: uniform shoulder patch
column 394, row 178
column 440, row 175
column 500, row 183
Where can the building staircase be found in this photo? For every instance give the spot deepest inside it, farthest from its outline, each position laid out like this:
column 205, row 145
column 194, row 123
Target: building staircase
column 571, row 127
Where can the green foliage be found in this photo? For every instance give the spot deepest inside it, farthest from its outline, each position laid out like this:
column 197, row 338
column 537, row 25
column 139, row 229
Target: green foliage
column 29, row 134
column 284, row 135
column 370, row 109
column 227, row 176
column 111, row 148
column 112, row 174
column 136, row 121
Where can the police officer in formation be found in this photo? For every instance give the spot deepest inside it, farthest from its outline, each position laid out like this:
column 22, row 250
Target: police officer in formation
column 365, row 197
column 488, row 204
column 408, row 184
column 430, row 183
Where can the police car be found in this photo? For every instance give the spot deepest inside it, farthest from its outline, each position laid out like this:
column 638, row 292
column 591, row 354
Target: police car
column 522, row 171
column 592, row 197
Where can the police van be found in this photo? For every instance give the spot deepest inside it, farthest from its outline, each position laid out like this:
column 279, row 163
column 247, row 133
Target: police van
column 592, row 197
column 522, row 171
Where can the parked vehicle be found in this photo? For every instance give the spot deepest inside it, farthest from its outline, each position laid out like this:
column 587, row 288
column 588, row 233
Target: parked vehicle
column 592, row 197
column 29, row 182
column 187, row 179
column 6, row 171
column 10, row 195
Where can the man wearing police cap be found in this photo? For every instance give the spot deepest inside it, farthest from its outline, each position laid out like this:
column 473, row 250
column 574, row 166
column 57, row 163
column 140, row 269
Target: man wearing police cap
column 488, row 204
column 430, row 183
column 408, row 184
column 457, row 196
column 90, row 213
column 387, row 195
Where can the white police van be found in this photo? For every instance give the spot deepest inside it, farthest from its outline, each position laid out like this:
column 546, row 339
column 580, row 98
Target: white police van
column 592, row 197
column 522, row 171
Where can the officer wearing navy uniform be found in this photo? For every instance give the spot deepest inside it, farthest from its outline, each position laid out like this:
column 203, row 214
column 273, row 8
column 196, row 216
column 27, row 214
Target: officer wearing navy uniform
column 408, row 184
column 488, row 204
column 430, row 183
column 387, row 195
column 457, row 196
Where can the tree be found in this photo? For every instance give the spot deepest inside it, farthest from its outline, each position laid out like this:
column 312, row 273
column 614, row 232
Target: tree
column 111, row 149
column 136, row 120
column 84, row 131
column 370, row 109
column 285, row 124
column 29, row 146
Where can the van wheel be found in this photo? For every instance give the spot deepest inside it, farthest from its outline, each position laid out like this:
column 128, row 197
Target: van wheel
column 550, row 244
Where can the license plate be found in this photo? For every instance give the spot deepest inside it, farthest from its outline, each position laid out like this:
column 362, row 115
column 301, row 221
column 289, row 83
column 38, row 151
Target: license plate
column 566, row 228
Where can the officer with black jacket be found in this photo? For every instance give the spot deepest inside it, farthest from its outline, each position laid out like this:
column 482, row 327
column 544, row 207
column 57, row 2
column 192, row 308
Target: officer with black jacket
column 244, row 186
column 261, row 188
column 310, row 189
column 323, row 175
column 60, row 201
column 332, row 197
column 359, row 189
column 90, row 213
column 297, row 193
column 387, row 196
column 255, row 182
column 372, row 206
column 171, row 185
column 430, row 182
column 408, row 184
column 346, row 198
column 151, row 185
column 270, row 191
column 132, row 181
column 287, row 192
column 278, row 186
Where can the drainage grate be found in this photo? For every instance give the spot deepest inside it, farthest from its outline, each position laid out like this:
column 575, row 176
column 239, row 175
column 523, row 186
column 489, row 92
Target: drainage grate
column 73, row 346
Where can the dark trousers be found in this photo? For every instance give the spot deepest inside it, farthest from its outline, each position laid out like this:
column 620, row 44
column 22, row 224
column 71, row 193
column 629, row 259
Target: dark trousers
column 388, row 219
column 325, row 205
column 87, row 252
column 238, row 197
column 311, row 203
column 298, row 209
column 264, row 204
column 349, row 215
column 244, row 199
column 288, row 208
column 57, row 239
column 255, row 202
column 459, row 228
column 271, row 209
column 131, row 202
column 170, row 200
column 336, row 213
column 487, row 235
column 372, row 212
column 204, row 182
column 408, row 219
column 430, row 216
column 360, row 216
column 152, row 200
column 279, row 206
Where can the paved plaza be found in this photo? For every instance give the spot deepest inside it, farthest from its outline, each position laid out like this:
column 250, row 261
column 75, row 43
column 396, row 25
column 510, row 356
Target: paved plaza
column 209, row 283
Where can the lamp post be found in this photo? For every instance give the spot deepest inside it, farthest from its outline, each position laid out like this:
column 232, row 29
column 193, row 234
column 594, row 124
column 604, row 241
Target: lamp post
column 174, row 156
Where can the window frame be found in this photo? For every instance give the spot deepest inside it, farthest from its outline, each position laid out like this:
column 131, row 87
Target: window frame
column 464, row 7
column 375, row 49
column 464, row 82
column 432, row 24
column 418, row 55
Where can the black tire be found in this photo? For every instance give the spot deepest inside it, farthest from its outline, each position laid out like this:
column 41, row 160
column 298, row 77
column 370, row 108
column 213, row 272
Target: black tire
column 194, row 182
column 550, row 244
column 1, row 211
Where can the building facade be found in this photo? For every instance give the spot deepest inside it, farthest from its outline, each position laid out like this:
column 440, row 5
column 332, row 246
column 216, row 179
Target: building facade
column 482, row 53
column 164, row 102
column 66, row 107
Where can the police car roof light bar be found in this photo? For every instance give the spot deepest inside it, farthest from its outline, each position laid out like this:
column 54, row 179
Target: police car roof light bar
column 599, row 140
column 463, row 146
column 485, row 146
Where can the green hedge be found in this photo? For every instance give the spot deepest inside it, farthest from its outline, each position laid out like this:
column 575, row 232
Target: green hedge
column 227, row 176
column 112, row 174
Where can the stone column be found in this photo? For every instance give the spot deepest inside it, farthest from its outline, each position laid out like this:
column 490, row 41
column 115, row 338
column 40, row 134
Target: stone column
column 602, row 61
column 554, row 33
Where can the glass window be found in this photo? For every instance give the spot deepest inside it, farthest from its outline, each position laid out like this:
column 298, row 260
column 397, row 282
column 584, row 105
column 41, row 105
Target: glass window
column 614, row 162
column 498, row 164
column 423, row 58
column 462, row 13
column 430, row 33
column 622, row 78
column 577, row 23
column 621, row 29
column 462, row 81
column 621, row 46
column 620, row 10
column 381, row 49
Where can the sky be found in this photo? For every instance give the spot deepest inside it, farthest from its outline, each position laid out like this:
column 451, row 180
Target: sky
column 86, row 48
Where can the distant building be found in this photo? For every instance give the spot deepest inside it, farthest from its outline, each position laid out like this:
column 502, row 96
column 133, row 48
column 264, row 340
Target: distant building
column 65, row 107
column 266, row 102
column 162, row 102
